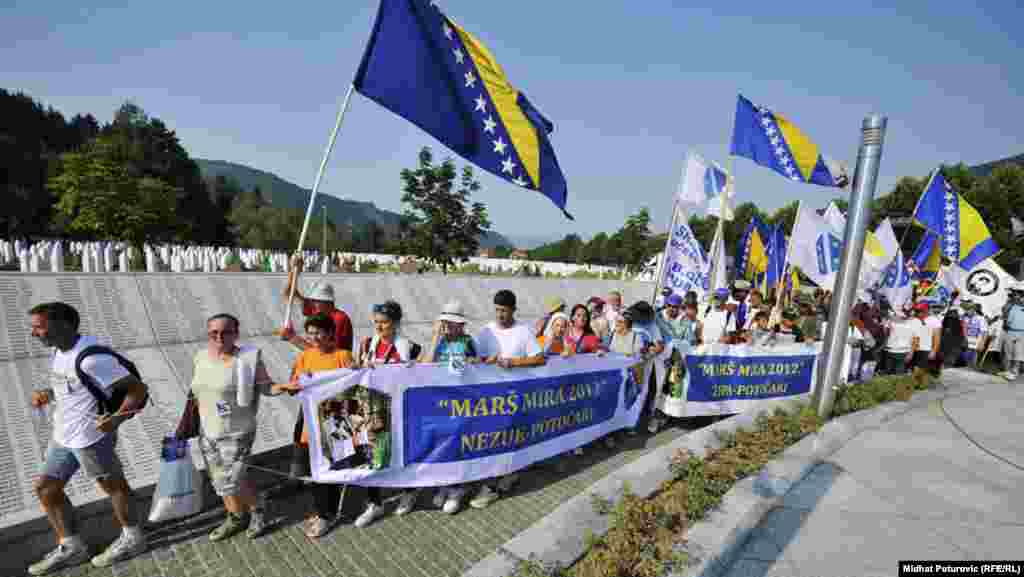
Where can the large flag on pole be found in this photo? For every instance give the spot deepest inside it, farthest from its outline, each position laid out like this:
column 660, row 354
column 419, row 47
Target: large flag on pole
column 424, row 67
column 964, row 238
column 771, row 140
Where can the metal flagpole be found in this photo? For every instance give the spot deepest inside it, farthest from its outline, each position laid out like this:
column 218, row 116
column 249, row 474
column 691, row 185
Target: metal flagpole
column 312, row 198
column 845, row 289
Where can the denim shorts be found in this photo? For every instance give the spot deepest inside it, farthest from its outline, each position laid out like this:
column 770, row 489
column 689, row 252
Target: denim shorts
column 97, row 461
column 227, row 461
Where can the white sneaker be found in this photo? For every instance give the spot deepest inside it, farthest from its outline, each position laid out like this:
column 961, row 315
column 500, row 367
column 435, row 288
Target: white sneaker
column 485, row 497
column 440, row 496
column 406, row 502
column 67, row 554
column 454, row 501
column 370, row 515
column 132, row 542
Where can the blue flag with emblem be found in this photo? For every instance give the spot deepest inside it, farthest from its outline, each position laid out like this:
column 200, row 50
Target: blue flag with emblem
column 771, row 140
column 963, row 236
column 776, row 255
column 424, row 67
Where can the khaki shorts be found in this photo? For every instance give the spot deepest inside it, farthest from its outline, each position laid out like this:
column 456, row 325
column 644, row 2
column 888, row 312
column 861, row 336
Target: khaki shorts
column 226, row 459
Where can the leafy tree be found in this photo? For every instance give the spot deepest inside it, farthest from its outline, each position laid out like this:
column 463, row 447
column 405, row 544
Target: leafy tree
column 502, row 251
column 787, row 216
column 99, row 196
column 32, row 138
column 443, row 227
column 634, row 238
column 148, row 148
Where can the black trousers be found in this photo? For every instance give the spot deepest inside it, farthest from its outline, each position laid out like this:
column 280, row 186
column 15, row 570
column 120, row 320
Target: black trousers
column 326, row 499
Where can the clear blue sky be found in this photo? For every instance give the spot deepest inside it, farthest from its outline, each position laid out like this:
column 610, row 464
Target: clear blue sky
column 630, row 87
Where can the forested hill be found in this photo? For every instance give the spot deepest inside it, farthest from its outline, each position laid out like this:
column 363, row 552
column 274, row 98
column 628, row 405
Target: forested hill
column 280, row 193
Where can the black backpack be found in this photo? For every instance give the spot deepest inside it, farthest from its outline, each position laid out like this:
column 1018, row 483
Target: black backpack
column 107, row 405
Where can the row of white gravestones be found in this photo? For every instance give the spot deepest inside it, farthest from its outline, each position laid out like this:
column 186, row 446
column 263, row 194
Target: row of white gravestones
column 50, row 255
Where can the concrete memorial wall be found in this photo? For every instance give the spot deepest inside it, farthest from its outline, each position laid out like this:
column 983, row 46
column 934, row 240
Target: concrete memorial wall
column 158, row 321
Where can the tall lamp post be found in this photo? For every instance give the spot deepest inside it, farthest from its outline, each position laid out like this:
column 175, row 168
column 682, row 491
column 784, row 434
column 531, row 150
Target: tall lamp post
column 844, row 293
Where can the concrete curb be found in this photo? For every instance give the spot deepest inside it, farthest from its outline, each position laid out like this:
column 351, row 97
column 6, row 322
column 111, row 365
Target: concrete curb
column 560, row 537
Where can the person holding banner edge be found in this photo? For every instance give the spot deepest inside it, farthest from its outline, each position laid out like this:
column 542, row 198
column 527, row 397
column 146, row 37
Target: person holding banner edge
column 507, row 344
column 387, row 346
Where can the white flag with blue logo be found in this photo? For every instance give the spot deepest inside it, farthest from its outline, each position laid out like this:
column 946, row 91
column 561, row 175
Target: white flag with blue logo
column 703, row 185
column 816, row 248
column 686, row 263
column 896, row 285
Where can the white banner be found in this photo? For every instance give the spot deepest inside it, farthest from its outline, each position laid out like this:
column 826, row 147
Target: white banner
column 726, row 379
column 422, row 426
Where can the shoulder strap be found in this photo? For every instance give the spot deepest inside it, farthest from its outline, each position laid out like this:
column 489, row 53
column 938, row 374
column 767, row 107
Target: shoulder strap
column 90, row 384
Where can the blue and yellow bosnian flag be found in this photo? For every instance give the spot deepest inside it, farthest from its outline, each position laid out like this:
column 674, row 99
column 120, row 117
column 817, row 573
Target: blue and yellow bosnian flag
column 964, row 237
column 771, row 140
column 422, row 66
column 927, row 258
column 752, row 252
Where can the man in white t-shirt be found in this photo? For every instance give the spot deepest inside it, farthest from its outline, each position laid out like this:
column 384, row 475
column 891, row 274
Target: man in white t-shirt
column 719, row 321
column 83, row 438
column 900, row 344
column 507, row 344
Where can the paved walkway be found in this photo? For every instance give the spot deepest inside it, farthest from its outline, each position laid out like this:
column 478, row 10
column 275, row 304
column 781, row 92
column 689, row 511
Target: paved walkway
column 914, row 489
column 424, row 543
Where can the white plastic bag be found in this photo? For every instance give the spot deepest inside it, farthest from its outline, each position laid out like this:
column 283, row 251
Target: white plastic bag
column 179, row 492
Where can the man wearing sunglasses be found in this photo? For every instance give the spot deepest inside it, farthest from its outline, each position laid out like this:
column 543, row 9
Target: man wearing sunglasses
column 319, row 301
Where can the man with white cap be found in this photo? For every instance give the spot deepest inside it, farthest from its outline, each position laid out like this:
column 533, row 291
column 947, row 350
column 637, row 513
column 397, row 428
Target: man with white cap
column 452, row 346
column 319, row 301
